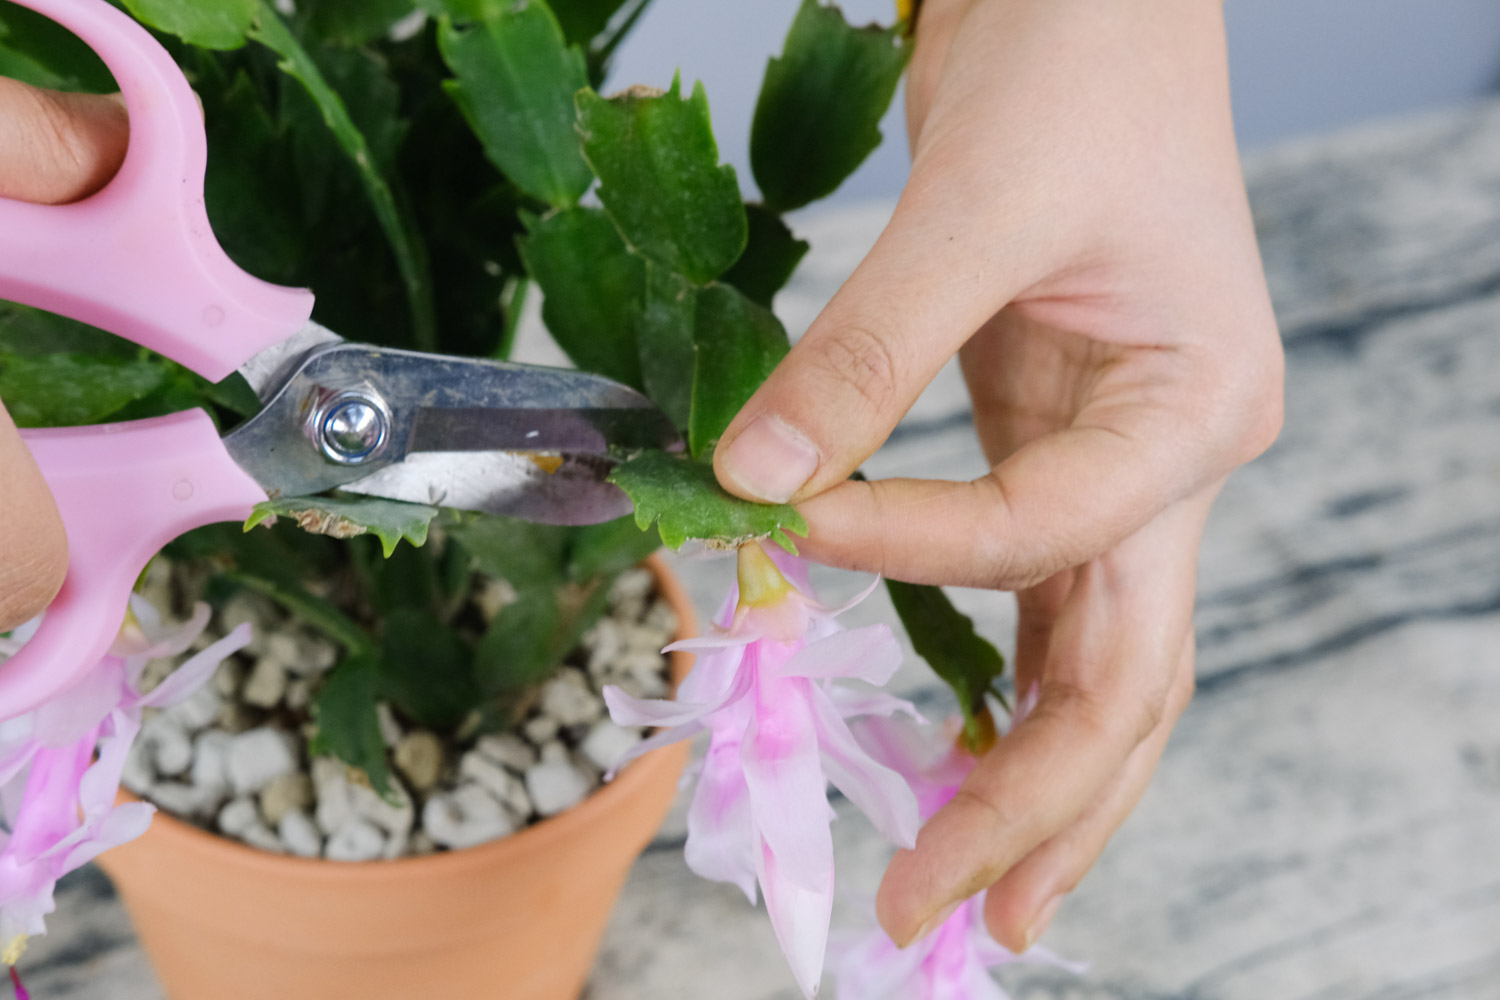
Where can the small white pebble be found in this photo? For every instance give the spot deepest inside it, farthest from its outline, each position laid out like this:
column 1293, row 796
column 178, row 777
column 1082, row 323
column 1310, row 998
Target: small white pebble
column 266, row 683
column 315, row 655
column 334, row 793
column 228, row 678
column 555, row 785
column 283, row 649
column 238, row 815
column 395, row 815
column 170, row 746
column 199, row 710
column 540, row 729
column 300, row 834
column 568, row 698
column 299, row 693
column 258, row 756
column 181, row 799
column 464, row 817
column 507, row 749
column 493, row 594
column 607, row 742
column 138, row 773
column 283, row 794
column 499, row 782
column 262, row 837
column 356, row 840
column 419, row 758
column 211, row 761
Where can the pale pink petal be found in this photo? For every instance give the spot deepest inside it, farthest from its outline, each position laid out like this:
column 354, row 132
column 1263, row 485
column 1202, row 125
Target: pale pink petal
column 794, row 568
column 712, row 675
column 197, row 670
column 848, row 605
column 869, row 654
column 49, row 806
column 799, row 916
column 120, row 825
column 851, row 703
column 15, row 760
column 788, row 791
column 873, row 968
column 101, row 782
column 67, row 717
column 655, row 742
column 785, row 621
column 879, row 792
column 705, row 643
column 721, row 836
column 628, row 711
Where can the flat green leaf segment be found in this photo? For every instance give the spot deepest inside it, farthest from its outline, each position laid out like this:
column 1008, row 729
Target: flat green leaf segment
column 661, row 181
column 770, row 257
column 62, row 390
column 516, row 80
column 738, row 343
column 39, row 51
column 227, row 24
column 211, row 24
column 391, row 521
column 348, row 726
column 592, row 286
column 945, row 637
column 354, row 22
column 820, row 106
column 684, row 500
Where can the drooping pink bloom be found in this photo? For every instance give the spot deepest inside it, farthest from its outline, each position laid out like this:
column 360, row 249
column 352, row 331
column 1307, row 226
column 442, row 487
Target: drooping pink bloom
column 954, row 961
column 763, row 689
column 60, row 765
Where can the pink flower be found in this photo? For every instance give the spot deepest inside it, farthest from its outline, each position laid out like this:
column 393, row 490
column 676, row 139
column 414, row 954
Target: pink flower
column 953, row 962
column 60, row 765
column 762, row 688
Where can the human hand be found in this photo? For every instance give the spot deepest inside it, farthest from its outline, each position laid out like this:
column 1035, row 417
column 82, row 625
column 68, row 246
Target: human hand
column 1075, row 226
column 54, row 148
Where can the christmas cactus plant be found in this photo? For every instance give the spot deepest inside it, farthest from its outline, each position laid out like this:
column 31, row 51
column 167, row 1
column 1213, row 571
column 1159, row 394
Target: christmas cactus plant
column 427, row 167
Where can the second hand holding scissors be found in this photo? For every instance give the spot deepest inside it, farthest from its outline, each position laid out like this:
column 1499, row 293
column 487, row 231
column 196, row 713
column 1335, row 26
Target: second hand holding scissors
column 139, row 259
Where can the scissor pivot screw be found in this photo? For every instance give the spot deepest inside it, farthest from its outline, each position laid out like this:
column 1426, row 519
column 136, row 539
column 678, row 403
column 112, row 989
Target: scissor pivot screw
column 352, row 427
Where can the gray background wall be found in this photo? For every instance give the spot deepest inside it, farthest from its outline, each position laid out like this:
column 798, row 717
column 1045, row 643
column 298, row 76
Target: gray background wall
column 1298, row 66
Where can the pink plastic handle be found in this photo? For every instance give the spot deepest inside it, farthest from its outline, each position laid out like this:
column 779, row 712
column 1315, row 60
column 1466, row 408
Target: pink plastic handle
column 139, row 258
column 124, row 491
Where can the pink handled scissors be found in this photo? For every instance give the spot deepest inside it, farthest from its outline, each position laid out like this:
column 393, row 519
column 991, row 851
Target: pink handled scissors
column 139, row 259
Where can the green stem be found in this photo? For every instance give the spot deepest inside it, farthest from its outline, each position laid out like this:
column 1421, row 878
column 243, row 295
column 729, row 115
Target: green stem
column 514, row 302
column 400, row 232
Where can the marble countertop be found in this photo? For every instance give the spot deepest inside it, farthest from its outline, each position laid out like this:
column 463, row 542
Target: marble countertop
column 1325, row 824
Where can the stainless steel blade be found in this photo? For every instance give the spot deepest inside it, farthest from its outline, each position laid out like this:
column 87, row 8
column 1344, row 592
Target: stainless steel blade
column 269, row 370
column 459, row 432
column 499, row 482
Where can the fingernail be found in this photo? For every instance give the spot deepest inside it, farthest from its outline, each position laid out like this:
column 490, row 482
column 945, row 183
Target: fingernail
column 933, row 923
column 770, row 460
column 1043, row 919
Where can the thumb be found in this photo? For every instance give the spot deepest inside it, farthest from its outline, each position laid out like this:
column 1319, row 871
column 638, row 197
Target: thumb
column 58, row 147
column 929, row 282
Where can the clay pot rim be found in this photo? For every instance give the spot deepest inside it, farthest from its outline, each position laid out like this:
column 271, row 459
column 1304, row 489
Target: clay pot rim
column 508, row 849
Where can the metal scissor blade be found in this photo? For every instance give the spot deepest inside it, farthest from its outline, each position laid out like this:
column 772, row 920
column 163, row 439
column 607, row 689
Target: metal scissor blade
column 515, row 439
column 563, row 489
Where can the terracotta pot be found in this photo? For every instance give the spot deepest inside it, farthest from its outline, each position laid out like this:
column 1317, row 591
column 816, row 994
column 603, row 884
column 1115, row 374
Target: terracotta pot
column 516, row 919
